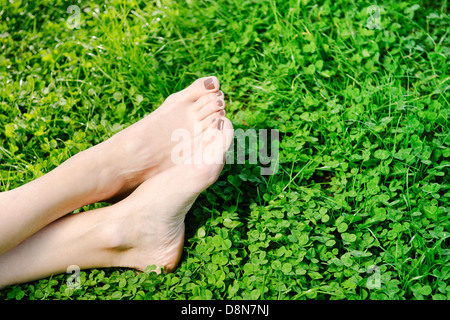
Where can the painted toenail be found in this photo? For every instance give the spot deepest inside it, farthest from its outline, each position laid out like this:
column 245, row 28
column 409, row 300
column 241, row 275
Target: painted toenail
column 219, row 93
column 222, row 113
column 209, row 84
column 220, row 124
column 219, row 103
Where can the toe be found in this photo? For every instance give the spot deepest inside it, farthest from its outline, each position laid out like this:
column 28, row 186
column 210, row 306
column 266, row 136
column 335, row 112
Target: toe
column 217, row 141
column 210, row 108
column 201, row 87
column 225, row 125
column 207, row 98
column 211, row 121
column 218, row 124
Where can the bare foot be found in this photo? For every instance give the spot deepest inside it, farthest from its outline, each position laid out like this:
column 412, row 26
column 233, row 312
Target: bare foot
column 152, row 218
column 144, row 149
column 146, row 228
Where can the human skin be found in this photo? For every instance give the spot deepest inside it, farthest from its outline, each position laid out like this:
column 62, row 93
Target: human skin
column 39, row 238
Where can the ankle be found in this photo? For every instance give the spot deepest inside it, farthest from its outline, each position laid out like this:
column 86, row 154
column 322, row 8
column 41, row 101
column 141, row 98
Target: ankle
column 103, row 178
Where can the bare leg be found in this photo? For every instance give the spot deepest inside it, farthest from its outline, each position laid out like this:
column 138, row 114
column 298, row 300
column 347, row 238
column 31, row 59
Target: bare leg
column 145, row 228
column 80, row 239
column 29, row 208
column 112, row 168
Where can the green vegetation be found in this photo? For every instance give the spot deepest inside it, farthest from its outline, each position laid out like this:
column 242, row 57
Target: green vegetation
column 360, row 206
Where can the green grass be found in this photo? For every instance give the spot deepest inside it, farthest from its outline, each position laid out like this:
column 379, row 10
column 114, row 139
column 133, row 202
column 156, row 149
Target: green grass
column 360, row 206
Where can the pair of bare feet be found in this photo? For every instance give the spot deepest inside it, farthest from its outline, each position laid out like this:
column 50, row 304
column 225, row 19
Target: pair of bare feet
column 154, row 180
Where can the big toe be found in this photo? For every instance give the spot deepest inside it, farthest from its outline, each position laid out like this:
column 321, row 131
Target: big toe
column 225, row 125
column 217, row 140
column 201, row 87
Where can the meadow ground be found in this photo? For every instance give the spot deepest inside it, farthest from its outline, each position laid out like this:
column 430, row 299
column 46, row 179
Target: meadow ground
column 359, row 206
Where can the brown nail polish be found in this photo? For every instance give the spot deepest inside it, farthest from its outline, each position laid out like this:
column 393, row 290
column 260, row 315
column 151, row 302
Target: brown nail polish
column 222, row 113
column 219, row 103
column 209, row 84
column 219, row 93
column 220, row 124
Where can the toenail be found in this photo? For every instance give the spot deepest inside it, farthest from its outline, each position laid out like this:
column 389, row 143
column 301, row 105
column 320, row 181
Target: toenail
column 219, row 103
column 220, row 124
column 219, row 93
column 209, row 84
column 222, row 113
